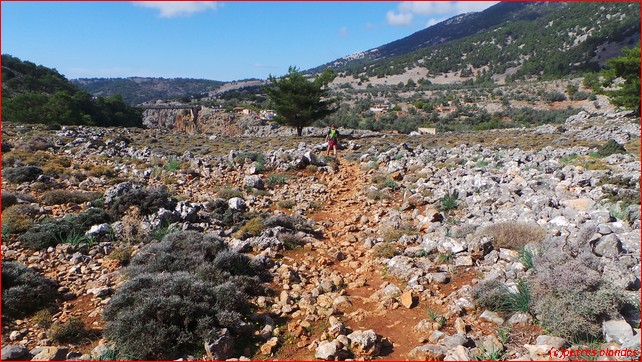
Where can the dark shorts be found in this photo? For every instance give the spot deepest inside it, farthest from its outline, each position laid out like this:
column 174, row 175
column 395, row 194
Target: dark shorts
column 332, row 143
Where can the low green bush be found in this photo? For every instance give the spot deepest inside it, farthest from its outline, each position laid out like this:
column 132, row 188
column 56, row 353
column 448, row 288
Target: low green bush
column 180, row 292
column 52, row 232
column 71, row 331
column 576, row 315
column 290, row 222
column 290, row 240
column 58, row 197
column 611, row 147
column 21, row 174
column 495, row 296
column 148, row 200
column 24, row 291
column 8, row 199
column 18, row 218
column 384, row 250
column 228, row 193
column 253, row 227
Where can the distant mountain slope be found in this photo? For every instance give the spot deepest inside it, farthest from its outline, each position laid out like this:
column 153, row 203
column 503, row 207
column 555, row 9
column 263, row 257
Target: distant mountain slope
column 136, row 90
column 543, row 38
column 36, row 94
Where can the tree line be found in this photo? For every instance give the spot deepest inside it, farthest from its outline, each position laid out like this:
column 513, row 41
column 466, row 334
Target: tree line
column 36, row 94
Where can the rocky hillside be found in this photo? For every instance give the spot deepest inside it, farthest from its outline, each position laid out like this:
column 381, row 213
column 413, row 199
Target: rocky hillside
column 524, row 39
column 137, row 90
column 504, row 244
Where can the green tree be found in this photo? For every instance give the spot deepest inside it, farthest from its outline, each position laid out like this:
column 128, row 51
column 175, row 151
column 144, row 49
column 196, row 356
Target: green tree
column 299, row 102
column 626, row 67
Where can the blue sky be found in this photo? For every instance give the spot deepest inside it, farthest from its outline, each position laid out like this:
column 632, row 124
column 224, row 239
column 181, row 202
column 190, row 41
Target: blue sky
column 212, row 40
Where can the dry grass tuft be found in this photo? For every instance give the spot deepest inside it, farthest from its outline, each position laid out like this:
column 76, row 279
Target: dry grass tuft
column 515, row 236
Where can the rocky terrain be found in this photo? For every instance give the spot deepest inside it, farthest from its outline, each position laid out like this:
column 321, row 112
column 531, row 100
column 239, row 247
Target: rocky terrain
column 504, row 244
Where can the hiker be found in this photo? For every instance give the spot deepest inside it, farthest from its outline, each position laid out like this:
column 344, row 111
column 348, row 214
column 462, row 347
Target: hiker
column 332, row 138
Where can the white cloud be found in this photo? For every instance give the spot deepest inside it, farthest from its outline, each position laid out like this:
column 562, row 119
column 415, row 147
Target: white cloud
column 402, row 18
column 433, row 21
column 473, row 6
column 343, row 32
column 439, row 10
column 171, row 9
column 444, row 7
column 426, row 7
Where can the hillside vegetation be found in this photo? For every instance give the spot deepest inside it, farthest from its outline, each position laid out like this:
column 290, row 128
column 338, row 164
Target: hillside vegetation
column 36, row 94
column 530, row 39
column 136, row 90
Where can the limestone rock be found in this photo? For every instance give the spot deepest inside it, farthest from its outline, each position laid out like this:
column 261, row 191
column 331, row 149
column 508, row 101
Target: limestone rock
column 491, row 317
column 15, row 353
column 617, row 331
column 428, row 352
column 364, row 343
column 51, row 354
column 407, row 300
column 553, row 341
column 220, row 345
column 459, row 353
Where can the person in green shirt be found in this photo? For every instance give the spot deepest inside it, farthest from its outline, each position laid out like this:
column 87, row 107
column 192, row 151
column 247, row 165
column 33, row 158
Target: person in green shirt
column 332, row 138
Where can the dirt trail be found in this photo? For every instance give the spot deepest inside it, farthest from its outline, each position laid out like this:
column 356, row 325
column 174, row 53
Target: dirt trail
column 343, row 221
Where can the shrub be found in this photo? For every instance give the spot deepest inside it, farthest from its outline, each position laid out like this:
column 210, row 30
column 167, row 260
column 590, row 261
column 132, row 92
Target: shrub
column 123, row 255
column 384, row 250
column 43, row 235
column 290, row 240
column 571, row 298
column 554, row 97
column 37, row 143
column 559, row 271
column 275, row 179
column 376, row 195
column 240, row 159
column 8, row 199
column 71, row 331
column 22, row 174
column 228, row 193
column 163, row 230
column 252, row 227
column 513, row 235
column 24, row 291
column 182, row 291
column 489, row 294
column 577, row 315
column 18, row 218
column 290, row 222
column 101, row 170
column 609, row 148
column 286, row 204
column 495, row 296
column 392, row 235
column 57, row 197
column 42, row 318
column 148, row 200
column 71, row 227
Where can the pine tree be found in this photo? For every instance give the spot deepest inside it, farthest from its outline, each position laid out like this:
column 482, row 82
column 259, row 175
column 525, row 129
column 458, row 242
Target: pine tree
column 626, row 67
column 299, row 102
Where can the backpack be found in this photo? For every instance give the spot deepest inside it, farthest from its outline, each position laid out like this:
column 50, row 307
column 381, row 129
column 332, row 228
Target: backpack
column 333, row 135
